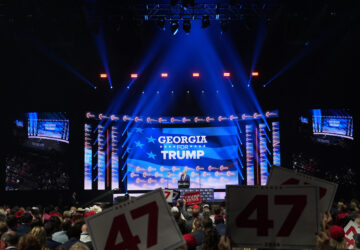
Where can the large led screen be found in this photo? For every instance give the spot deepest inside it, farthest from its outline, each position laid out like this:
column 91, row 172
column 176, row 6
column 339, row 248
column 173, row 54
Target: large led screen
column 160, row 157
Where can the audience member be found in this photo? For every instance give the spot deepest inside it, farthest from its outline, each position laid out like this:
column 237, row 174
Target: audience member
column 211, row 239
column 29, row 242
column 74, row 236
column 9, row 240
column 79, row 246
column 40, row 234
column 12, row 222
column 25, row 226
column 3, row 228
column 50, row 229
column 60, row 235
column 220, row 225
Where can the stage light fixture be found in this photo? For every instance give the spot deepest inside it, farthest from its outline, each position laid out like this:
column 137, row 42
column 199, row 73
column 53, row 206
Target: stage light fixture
column 187, row 26
column 226, row 74
column 255, row 73
column 161, row 23
column 103, row 75
column 205, row 21
column 164, row 75
column 174, row 27
column 195, row 74
column 134, row 75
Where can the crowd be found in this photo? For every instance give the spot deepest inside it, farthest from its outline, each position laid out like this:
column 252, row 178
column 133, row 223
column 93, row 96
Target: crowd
column 25, row 173
column 46, row 228
column 203, row 227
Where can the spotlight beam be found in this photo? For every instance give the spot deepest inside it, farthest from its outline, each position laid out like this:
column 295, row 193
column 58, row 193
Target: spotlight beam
column 46, row 51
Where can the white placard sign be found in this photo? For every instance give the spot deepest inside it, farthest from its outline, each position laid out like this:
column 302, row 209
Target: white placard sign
column 283, row 217
column 350, row 230
column 327, row 190
column 145, row 223
column 168, row 194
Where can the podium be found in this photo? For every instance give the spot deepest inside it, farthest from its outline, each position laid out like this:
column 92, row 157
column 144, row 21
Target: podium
column 183, row 184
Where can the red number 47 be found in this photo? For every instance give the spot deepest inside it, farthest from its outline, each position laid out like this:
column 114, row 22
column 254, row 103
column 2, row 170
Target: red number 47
column 262, row 222
column 130, row 241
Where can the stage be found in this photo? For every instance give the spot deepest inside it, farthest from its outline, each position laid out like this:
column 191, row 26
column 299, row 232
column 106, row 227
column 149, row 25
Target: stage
column 144, row 153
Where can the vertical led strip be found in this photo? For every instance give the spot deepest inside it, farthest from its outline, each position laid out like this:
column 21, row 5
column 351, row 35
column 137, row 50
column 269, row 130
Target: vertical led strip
column 88, row 159
column 263, row 154
column 250, row 178
column 101, row 159
column 276, row 143
column 114, row 159
column 317, row 126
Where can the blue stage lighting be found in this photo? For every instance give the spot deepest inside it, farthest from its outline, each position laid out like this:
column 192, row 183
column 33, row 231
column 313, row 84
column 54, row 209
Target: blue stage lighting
column 174, row 27
column 217, row 16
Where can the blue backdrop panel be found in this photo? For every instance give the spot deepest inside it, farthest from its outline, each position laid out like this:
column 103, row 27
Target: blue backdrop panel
column 158, row 156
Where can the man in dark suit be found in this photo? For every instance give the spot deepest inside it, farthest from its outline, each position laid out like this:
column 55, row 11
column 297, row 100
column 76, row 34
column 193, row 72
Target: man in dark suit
column 184, row 176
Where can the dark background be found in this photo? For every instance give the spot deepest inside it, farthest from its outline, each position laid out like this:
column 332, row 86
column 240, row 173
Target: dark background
column 325, row 76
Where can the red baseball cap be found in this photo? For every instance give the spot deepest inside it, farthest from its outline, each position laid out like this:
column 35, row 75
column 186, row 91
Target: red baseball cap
column 336, row 232
column 190, row 240
column 20, row 213
column 196, row 206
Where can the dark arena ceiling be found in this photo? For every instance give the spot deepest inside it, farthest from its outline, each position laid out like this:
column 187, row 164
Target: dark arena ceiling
column 308, row 55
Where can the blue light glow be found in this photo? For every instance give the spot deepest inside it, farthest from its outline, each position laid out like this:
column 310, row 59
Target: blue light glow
column 332, row 123
column 53, row 127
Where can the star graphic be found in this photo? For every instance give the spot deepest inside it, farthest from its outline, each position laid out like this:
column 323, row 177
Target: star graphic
column 139, row 144
column 151, row 155
column 151, row 139
column 139, row 130
column 195, row 146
